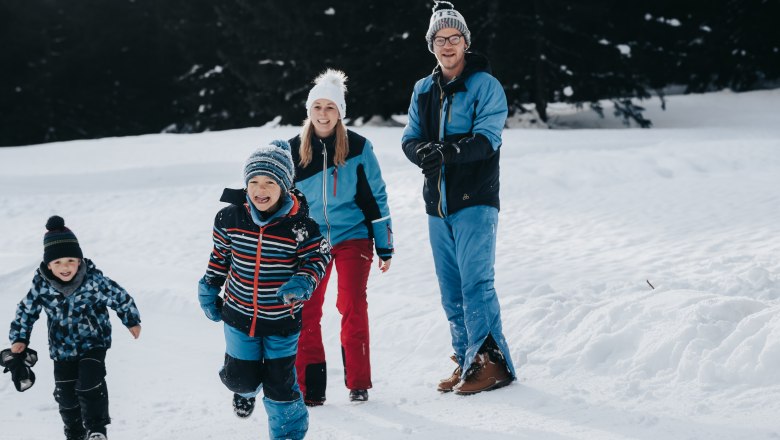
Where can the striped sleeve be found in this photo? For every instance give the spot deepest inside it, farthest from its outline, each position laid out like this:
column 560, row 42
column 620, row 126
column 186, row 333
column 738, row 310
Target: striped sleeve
column 313, row 254
column 219, row 260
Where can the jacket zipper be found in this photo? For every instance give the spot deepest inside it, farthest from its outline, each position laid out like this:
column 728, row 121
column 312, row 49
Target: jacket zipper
column 256, row 281
column 325, row 186
column 441, row 136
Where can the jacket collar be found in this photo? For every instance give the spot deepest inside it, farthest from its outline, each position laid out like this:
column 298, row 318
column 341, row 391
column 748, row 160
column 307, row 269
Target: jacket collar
column 298, row 205
column 289, row 204
column 475, row 62
column 66, row 288
column 317, row 142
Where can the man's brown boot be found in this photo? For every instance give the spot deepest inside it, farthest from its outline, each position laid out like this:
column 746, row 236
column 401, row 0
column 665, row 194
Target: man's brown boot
column 485, row 375
column 445, row 385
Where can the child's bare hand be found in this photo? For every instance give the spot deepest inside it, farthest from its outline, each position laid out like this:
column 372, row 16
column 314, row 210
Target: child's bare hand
column 135, row 331
column 384, row 265
column 18, row 347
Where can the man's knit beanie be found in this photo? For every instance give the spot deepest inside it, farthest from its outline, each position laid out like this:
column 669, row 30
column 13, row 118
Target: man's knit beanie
column 445, row 16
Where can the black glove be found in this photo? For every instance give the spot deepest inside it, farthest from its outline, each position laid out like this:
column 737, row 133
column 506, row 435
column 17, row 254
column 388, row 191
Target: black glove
column 422, row 150
column 441, row 153
column 20, row 366
column 448, row 151
column 431, row 164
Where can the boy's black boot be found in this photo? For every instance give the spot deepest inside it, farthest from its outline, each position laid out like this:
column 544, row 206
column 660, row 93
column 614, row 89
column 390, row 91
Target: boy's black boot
column 243, row 406
column 75, row 432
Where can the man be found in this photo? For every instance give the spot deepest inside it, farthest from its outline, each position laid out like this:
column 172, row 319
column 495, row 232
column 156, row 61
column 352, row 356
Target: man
column 454, row 133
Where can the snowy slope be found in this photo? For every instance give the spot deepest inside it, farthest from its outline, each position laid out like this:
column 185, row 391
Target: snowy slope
column 588, row 217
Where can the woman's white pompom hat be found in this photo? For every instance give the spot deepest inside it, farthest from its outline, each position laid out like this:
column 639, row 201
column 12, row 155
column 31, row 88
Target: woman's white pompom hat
column 331, row 84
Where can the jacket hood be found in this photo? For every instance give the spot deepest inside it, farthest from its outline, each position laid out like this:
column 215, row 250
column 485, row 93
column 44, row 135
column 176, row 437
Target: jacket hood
column 238, row 197
column 86, row 266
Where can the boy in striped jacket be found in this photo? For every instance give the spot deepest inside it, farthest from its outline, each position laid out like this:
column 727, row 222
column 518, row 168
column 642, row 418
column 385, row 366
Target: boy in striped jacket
column 270, row 256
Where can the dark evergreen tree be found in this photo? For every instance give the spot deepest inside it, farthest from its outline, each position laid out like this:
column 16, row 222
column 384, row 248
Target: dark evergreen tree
column 208, row 97
column 82, row 69
column 276, row 49
column 94, row 68
column 738, row 46
column 568, row 51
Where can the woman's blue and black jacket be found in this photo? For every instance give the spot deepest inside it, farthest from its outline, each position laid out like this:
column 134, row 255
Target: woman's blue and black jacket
column 471, row 111
column 348, row 201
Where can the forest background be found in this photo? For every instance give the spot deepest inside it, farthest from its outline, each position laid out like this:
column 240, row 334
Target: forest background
column 97, row 68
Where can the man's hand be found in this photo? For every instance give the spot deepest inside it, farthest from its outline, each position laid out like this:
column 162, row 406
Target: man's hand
column 448, row 151
column 423, row 150
column 440, row 153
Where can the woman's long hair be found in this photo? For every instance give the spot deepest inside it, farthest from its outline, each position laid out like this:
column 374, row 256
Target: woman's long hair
column 342, row 146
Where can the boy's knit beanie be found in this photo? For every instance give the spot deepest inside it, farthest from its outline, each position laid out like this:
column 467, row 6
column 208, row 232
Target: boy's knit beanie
column 445, row 16
column 331, row 85
column 59, row 241
column 273, row 160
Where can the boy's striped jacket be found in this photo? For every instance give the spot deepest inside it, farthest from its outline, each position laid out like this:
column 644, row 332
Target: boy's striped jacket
column 255, row 261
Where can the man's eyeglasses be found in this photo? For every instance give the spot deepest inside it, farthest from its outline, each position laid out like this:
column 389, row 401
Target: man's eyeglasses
column 453, row 39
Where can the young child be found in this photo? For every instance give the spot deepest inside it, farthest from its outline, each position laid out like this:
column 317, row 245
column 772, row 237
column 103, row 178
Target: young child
column 75, row 296
column 272, row 255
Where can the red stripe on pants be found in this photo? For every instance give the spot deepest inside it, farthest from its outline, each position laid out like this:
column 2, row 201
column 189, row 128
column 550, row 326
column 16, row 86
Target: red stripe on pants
column 353, row 263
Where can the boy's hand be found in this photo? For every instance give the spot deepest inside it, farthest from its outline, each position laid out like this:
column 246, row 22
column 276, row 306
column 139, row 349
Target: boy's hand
column 298, row 288
column 208, row 297
column 384, row 265
column 18, row 347
column 135, row 331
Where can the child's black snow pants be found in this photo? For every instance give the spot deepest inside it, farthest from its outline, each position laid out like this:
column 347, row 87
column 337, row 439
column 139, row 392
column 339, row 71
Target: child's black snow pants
column 80, row 390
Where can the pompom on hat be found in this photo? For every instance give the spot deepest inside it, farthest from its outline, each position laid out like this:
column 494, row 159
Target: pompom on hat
column 59, row 241
column 445, row 16
column 273, row 160
column 330, row 84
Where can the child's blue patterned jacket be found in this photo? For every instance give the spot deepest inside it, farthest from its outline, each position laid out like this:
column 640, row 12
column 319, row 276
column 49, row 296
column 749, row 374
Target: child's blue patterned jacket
column 77, row 322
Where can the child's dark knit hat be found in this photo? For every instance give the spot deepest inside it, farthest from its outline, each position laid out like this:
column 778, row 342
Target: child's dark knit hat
column 275, row 161
column 59, row 241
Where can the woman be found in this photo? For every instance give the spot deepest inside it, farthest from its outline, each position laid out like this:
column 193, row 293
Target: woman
column 338, row 173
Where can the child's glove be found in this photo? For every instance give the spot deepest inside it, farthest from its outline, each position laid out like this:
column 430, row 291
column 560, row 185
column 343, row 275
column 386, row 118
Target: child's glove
column 298, row 288
column 20, row 366
column 210, row 302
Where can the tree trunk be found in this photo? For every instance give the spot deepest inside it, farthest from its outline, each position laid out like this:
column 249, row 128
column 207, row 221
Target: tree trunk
column 540, row 94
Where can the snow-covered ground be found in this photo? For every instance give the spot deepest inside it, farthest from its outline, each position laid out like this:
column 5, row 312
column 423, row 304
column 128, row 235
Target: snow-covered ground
column 588, row 218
